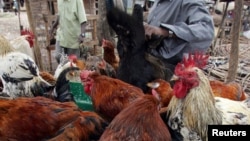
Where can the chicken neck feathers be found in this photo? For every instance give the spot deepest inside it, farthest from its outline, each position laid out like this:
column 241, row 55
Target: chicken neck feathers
column 5, row 46
column 146, row 124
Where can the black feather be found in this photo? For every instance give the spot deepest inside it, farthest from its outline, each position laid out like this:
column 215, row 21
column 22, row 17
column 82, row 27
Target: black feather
column 41, row 89
column 109, row 4
column 62, row 87
column 7, row 79
column 132, row 48
column 31, row 66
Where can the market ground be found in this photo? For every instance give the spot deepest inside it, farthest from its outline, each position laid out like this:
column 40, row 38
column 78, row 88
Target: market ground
column 10, row 24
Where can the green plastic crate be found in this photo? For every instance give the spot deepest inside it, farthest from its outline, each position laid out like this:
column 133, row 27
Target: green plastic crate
column 81, row 98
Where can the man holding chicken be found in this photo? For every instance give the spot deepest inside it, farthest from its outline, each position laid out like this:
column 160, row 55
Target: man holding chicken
column 185, row 25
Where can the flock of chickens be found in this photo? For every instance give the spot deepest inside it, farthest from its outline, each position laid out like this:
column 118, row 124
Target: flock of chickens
column 131, row 93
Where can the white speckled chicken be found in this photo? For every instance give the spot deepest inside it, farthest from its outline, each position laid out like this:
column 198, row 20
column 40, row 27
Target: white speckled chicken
column 19, row 72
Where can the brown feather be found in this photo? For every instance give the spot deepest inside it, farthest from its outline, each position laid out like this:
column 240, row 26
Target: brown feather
column 48, row 77
column 40, row 118
column 230, row 90
column 109, row 54
column 140, row 121
column 110, row 95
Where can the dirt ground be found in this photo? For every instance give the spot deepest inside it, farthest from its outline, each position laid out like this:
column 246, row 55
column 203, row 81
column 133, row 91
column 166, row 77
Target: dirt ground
column 10, row 24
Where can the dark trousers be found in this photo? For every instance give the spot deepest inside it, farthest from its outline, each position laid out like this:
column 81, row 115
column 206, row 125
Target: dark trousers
column 63, row 50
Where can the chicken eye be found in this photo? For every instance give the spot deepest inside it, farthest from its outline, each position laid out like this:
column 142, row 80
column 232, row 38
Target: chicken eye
column 93, row 68
column 189, row 74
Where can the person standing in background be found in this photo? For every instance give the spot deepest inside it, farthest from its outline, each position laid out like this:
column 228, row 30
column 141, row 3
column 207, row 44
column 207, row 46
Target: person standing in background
column 71, row 21
column 16, row 6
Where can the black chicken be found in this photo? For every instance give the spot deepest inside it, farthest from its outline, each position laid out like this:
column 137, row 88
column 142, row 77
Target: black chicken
column 136, row 67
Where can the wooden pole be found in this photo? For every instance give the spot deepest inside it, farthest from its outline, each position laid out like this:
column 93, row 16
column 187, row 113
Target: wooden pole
column 19, row 18
column 234, row 52
column 220, row 27
column 37, row 52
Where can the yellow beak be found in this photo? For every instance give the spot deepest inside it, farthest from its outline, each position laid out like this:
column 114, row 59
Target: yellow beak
column 174, row 78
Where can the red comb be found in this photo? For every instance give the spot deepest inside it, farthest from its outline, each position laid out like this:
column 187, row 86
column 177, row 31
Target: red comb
column 72, row 57
column 198, row 59
column 30, row 37
column 27, row 31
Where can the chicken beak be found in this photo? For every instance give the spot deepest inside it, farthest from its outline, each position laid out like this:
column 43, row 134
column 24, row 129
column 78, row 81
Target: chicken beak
column 72, row 73
column 153, row 85
column 174, row 78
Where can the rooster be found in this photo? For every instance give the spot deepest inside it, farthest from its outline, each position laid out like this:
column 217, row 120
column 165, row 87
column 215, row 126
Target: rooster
column 193, row 106
column 19, row 73
column 40, row 118
column 139, row 121
column 30, row 37
column 109, row 53
column 134, row 65
column 62, row 91
column 230, row 90
column 68, row 61
column 24, row 43
column 109, row 95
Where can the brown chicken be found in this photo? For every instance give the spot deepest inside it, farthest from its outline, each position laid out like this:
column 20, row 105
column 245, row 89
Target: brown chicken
column 163, row 89
column 109, row 95
column 41, row 118
column 109, row 54
column 140, row 121
column 231, row 90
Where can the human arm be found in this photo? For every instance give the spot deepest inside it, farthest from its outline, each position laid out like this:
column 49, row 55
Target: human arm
column 83, row 31
column 196, row 24
column 81, row 14
column 189, row 21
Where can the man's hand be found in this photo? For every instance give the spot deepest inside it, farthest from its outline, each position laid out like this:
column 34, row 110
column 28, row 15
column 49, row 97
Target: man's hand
column 81, row 38
column 153, row 30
